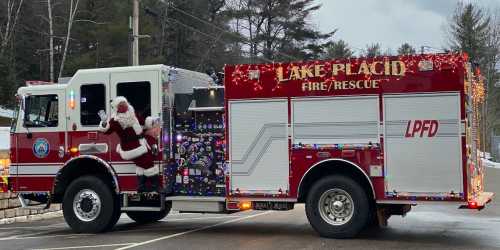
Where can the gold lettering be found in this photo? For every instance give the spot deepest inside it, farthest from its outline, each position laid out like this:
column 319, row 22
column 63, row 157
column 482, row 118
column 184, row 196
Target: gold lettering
column 375, row 84
column 358, row 84
column 348, row 70
column 336, row 68
column 305, row 86
column 319, row 70
column 387, row 68
column 323, row 86
column 344, row 84
column 352, row 84
column 338, row 85
column 306, row 71
column 279, row 73
column 315, row 85
column 363, row 68
column 295, row 74
column 398, row 68
column 366, row 84
column 373, row 68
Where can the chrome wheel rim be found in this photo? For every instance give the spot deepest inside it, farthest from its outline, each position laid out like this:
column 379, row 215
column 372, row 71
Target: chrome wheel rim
column 336, row 207
column 87, row 205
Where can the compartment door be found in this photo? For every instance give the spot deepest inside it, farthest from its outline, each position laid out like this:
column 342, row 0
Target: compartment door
column 422, row 144
column 258, row 145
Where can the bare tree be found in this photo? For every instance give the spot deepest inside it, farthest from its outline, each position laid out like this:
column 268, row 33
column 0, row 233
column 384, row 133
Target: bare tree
column 6, row 30
column 51, row 40
column 73, row 9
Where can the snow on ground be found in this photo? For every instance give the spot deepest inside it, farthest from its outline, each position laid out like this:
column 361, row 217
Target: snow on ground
column 487, row 160
column 491, row 164
column 6, row 113
column 4, row 138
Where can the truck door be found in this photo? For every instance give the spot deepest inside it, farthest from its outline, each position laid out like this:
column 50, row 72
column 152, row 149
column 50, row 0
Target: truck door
column 422, row 144
column 41, row 139
column 142, row 90
column 258, row 146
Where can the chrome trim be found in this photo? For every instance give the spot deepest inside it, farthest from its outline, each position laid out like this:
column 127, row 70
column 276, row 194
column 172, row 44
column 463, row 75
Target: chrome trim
column 336, row 159
column 95, row 205
column 336, row 207
column 25, row 205
column 408, row 202
column 93, row 148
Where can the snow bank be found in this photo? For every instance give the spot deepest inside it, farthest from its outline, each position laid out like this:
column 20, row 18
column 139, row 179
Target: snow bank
column 491, row 164
column 4, row 138
column 6, row 113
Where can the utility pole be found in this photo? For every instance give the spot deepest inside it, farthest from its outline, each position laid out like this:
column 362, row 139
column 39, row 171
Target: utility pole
column 135, row 33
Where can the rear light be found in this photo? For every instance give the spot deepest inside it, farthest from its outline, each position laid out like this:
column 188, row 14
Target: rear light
column 245, row 205
column 472, row 205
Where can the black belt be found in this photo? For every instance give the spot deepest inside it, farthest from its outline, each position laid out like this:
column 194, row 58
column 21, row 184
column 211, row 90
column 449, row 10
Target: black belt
column 132, row 138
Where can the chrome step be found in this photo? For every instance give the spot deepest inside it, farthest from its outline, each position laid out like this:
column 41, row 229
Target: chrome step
column 125, row 207
column 25, row 204
column 198, row 204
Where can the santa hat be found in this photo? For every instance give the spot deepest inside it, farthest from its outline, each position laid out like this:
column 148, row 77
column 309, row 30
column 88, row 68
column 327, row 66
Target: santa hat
column 150, row 122
column 118, row 100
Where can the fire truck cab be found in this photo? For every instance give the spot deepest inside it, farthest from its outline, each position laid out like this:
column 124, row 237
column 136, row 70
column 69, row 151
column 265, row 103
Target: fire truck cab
column 356, row 140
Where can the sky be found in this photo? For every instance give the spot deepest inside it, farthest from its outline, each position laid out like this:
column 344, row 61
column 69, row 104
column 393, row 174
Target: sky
column 390, row 22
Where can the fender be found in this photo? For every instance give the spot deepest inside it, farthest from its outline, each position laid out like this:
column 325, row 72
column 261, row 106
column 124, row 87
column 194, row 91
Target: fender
column 333, row 160
column 109, row 169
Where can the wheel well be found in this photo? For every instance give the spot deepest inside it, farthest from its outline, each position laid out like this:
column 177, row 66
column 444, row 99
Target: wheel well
column 333, row 167
column 78, row 168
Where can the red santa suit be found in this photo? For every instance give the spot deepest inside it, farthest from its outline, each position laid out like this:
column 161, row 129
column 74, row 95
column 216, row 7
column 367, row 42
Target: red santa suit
column 133, row 146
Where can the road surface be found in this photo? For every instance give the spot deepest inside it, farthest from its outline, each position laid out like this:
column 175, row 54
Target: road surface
column 425, row 227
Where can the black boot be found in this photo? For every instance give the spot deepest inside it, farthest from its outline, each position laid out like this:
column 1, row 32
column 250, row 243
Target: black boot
column 141, row 183
column 155, row 183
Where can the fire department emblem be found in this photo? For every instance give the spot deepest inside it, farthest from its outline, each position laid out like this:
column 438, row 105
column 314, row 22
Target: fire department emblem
column 41, row 148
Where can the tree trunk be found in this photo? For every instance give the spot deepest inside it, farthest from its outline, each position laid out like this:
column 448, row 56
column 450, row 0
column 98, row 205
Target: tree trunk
column 72, row 13
column 51, row 42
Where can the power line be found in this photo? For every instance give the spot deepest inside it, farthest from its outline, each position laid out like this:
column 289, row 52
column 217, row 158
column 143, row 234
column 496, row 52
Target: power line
column 205, row 34
column 246, row 40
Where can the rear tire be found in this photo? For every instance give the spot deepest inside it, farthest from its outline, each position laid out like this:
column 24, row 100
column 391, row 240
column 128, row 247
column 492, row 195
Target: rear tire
column 89, row 206
column 143, row 217
column 337, row 207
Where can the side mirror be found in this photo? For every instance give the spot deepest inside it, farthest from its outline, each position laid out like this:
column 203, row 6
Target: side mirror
column 21, row 100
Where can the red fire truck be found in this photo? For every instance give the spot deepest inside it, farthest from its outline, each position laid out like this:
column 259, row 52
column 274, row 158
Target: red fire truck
column 356, row 140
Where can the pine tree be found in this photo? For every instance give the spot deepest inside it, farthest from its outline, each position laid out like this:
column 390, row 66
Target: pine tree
column 338, row 49
column 473, row 31
column 406, row 49
column 279, row 30
column 373, row 50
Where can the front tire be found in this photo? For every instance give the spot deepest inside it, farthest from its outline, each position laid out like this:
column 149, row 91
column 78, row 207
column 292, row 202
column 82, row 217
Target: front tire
column 89, row 205
column 337, row 207
column 143, row 217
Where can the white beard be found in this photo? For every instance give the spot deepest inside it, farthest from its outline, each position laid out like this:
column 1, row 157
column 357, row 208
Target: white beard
column 128, row 120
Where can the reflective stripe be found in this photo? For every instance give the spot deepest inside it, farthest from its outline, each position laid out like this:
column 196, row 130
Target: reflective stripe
column 32, row 170
column 53, row 169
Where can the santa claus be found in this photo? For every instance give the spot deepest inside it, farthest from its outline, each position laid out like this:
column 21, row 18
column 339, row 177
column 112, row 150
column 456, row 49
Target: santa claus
column 133, row 145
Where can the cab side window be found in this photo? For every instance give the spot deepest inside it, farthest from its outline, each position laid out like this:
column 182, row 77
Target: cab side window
column 138, row 94
column 41, row 111
column 92, row 99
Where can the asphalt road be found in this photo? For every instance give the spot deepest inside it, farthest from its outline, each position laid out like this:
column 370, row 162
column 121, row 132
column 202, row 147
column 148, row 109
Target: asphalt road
column 425, row 227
